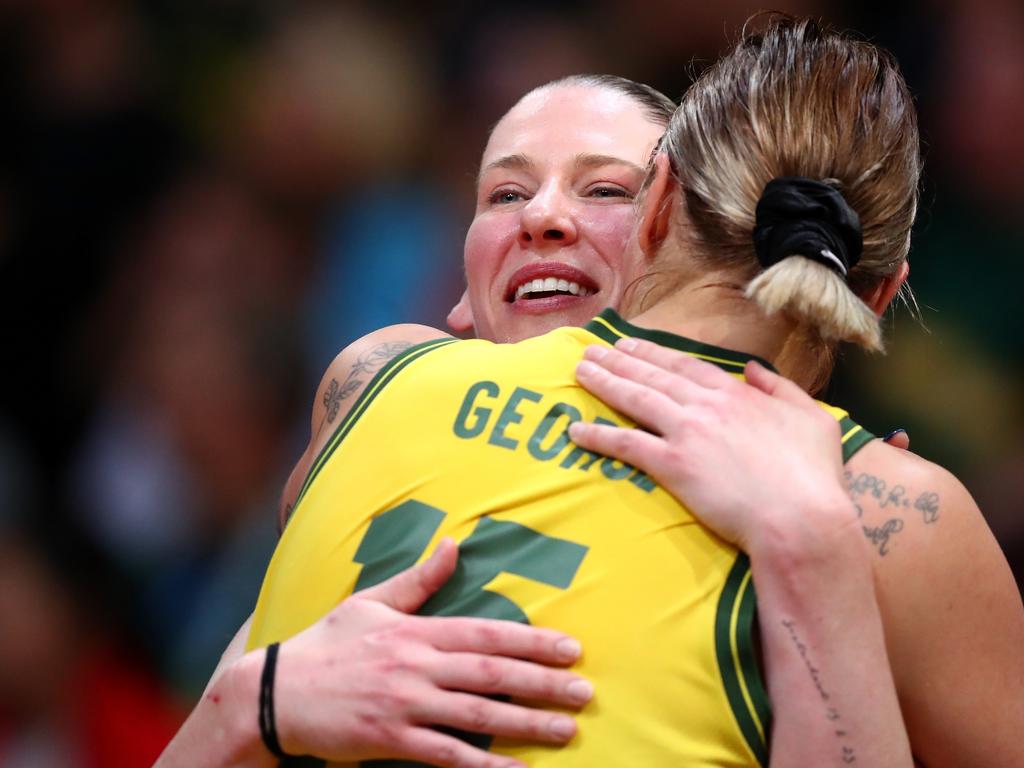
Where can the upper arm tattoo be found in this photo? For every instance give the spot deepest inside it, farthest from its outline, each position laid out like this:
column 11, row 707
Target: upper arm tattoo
column 364, row 367
column 894, row 501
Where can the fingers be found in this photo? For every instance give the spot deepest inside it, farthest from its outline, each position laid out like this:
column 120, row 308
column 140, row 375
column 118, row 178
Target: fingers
column 676, row 382
column 520, row 679
column 633, row 446
column 641, row 402
column 436, row 748
column 775, row 385
column 408, row 590
column 482, row 715
column 501, row 638
column 694, row 369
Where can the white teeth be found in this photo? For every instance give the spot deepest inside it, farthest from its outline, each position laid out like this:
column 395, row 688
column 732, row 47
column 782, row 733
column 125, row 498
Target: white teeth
column 550, row 284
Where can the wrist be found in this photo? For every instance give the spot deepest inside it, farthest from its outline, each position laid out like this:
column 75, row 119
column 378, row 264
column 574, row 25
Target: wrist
column 824, row 540
column 236, row 694
column 805, row 528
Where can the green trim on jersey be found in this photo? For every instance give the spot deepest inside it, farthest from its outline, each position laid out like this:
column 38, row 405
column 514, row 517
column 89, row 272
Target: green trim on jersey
column 734, row 646
column 377, row 383
column 611, row 327
column 855, row 437
column 737, row 662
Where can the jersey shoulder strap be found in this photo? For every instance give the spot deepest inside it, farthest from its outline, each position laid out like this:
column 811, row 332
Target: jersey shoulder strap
column 380, row 380
column 854, row 436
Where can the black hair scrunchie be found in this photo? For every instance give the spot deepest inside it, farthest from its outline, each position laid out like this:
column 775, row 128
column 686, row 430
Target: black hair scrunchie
column 805, row 217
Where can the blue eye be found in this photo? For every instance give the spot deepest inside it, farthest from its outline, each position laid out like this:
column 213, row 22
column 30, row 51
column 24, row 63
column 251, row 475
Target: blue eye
column 505, row 196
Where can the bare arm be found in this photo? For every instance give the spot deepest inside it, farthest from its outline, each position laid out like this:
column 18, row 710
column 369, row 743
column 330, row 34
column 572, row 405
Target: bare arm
column 827, row 667
column 763, row 468
column 367, row 680
column 344, row 381
column 953, row 616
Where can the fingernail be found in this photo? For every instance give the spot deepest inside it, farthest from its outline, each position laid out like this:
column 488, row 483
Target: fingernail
column 580, row 691
column 626, row 345
column 595, row 351
column 568, row 648
column 562, row 727
column 893, row 434
column 586, row 368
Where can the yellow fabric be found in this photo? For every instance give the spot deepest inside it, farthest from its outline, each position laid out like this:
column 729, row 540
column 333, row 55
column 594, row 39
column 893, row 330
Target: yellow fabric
column 459, row 430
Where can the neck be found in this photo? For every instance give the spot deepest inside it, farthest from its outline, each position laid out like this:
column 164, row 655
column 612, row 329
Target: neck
column 714, row 311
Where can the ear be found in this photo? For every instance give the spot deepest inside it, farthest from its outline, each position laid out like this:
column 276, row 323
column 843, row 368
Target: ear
column 655, row 211
column 460, row 319
column 881, row 297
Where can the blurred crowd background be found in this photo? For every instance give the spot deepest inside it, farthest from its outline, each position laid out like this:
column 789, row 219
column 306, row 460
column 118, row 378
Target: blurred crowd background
column 202, row 202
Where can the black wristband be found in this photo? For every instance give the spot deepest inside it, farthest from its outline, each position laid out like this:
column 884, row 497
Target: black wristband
column 268, row 729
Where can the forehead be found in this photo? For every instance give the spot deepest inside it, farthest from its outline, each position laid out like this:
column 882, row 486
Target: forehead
column 563, row 121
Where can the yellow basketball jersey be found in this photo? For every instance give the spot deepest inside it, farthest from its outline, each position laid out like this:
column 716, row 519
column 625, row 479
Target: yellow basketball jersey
column 468, row 439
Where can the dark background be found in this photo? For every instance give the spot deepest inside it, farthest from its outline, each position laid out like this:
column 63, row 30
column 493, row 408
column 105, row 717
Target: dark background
column 201, row 203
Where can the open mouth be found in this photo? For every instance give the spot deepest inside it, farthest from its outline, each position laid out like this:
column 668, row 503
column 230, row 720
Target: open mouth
column 543, row 288
column 549, row 280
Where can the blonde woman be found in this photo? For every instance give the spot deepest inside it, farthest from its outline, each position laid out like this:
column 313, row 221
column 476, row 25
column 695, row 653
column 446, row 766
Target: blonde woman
column 775, row 222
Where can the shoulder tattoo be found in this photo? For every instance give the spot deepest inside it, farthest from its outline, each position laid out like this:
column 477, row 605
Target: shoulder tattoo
column 368, row 363
column 873, row 492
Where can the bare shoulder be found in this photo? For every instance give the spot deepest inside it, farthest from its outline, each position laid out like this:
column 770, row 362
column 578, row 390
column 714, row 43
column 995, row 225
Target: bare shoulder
column 917, row 515
column 902, row 498
column 344, row 381
column 953, row 617
column 353, row 368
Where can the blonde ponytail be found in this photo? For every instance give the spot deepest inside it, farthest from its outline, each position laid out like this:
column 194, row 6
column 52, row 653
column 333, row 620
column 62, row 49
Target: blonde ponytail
column 817, row 296
column 798, row 100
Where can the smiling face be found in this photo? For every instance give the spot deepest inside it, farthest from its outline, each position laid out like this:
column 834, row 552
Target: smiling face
column 554, row 210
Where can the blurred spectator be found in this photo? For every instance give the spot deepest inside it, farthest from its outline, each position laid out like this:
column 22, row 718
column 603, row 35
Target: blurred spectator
column 66, row 684
column 178, row 477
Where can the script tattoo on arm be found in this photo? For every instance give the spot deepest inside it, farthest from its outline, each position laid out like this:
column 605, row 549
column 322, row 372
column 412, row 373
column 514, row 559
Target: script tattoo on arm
column 846, row 752
column 368, row 363
column 870, row 488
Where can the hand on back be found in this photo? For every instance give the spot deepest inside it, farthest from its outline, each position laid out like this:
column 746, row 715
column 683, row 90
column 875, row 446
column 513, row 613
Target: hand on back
column 752, row 460
column 369, row 680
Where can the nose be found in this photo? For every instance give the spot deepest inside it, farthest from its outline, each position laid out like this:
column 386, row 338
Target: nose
column 547, row 219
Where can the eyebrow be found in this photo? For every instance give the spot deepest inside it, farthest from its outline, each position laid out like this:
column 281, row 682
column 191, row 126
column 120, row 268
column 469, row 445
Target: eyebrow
column 516, row 162
column 596, row 161
column 584, row 160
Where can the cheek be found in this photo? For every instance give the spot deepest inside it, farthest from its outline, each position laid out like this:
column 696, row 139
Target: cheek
column 610, row 230
column 487, row 244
